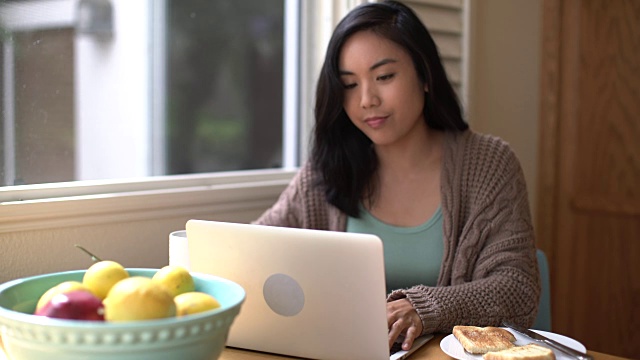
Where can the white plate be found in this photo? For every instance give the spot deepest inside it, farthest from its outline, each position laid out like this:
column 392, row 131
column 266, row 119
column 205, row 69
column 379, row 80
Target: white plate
column 452, row 347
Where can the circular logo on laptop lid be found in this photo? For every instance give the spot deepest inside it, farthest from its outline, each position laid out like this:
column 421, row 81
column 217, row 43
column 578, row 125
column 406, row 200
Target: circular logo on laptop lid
column 283, row 294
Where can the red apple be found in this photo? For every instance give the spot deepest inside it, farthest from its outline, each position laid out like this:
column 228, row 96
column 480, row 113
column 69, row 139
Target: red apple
column 74, row 305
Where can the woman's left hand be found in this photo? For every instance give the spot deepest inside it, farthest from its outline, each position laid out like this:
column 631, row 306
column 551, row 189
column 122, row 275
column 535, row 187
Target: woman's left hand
column 403, row 319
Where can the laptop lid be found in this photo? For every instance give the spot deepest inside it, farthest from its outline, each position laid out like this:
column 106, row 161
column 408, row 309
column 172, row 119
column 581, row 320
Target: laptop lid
column 310, row 293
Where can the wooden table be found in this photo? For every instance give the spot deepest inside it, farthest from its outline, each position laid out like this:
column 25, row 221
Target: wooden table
column 430, row 351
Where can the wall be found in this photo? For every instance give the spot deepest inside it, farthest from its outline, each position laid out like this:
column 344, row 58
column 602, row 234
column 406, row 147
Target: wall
column 504, row 77
column 131, row 228
column 137, row 243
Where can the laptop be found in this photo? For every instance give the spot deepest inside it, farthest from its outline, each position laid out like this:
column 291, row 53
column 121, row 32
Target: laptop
column 310, row 293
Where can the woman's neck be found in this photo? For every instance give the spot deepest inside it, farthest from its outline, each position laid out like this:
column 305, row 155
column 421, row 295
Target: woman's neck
column 407, row 183
column 421, row 151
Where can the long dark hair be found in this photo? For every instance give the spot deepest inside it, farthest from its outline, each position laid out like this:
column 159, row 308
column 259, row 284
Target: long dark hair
column 341, row 153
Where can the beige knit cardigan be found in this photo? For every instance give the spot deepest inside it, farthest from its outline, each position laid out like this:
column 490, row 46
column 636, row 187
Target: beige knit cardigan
column 489, row 271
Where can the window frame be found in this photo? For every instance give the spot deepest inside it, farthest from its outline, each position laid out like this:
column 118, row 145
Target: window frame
column 135, row 51
column 89, row 202
column 28, row 207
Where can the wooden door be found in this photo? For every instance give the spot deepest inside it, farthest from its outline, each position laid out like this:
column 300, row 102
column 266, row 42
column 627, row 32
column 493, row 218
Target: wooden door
column 589, row 185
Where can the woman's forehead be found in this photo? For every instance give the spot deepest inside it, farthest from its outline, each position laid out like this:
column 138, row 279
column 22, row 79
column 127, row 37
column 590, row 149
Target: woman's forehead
column 368, row 49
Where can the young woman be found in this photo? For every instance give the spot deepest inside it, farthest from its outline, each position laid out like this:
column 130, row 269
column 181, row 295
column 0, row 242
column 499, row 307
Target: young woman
column 393, row 156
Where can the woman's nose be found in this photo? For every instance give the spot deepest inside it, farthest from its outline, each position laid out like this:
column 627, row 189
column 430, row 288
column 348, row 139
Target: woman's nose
column 369, row 97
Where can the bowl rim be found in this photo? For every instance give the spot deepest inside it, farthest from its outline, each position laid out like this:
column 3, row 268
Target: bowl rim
column 129, row 325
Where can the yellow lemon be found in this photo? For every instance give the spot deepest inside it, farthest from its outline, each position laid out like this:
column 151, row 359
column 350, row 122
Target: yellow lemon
column 62, row 288
column 176, row 279
column 138, row 298
column 101, row 276
column 194, row 302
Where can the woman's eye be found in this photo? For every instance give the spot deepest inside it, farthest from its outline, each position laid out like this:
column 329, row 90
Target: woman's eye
column 349, row 86
column 385, row 77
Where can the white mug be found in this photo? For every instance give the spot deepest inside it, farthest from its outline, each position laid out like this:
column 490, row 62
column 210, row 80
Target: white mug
column 179, row 249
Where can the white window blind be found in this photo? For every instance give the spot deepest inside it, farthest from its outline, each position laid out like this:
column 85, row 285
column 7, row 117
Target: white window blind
column 445, row 20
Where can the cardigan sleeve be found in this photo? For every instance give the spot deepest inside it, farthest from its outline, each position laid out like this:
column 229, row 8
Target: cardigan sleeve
column 302, row 205
column 286, row 210
column 494, row 274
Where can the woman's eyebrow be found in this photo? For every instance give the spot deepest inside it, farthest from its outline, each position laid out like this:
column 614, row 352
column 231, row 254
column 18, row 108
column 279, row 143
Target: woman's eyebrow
column 373, row 67
column 382, row 62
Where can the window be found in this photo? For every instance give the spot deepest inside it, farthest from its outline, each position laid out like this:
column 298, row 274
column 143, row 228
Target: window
column 98, row 89
column 224, row 100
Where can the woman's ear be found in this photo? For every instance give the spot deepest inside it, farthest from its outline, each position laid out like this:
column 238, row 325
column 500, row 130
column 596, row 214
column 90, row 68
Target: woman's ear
column 426, row 88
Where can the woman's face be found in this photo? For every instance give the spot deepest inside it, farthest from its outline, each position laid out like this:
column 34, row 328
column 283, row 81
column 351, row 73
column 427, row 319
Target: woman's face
column 383, row 95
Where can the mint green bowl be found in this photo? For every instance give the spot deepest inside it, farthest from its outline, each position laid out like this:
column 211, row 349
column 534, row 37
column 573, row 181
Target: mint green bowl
column 198, row 336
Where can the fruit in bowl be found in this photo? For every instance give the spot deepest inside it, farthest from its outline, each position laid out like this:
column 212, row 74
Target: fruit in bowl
column 73, row 305
column 64, row 287
column 194, row 302
column 176, row 279
column 101, row 276
column 107, row 292
column 138, row 298
column 200, row 335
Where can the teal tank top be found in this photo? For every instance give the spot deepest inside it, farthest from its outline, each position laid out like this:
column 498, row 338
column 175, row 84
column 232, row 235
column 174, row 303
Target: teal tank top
column 412, row 255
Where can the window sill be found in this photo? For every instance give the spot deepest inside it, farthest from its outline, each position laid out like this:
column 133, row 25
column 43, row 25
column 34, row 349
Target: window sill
column 87, row 203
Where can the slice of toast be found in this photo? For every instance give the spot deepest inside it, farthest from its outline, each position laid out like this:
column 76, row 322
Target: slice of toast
column 526, row 352
column 480, row 340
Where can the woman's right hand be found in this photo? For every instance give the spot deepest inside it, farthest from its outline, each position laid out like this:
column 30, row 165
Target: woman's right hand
column 403, row 319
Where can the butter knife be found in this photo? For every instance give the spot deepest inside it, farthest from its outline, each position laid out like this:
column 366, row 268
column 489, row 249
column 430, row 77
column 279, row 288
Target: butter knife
column 544, row 340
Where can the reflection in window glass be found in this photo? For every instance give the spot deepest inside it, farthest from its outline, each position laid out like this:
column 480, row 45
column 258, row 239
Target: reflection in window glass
column 43, row 129
column 223, row 105
column 225, row 85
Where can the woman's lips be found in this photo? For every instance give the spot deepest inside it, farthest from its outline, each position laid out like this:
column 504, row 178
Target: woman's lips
column 375, row 122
